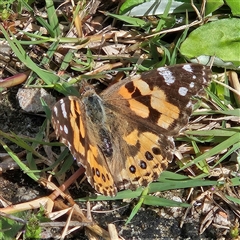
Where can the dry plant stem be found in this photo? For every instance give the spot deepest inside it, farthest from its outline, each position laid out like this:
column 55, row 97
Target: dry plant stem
column 14, row 218
column 7, row 68
column 208, row 219
column 175, row 29
column 48, row 202
column 234, row 208
column 78, row 216
column 122, row 36
column 78, row 22
column 105, row 67
column 204, row 194
column 35, row 204
column 4, row 202
column 89, row 215
column 197, row 22
column 233, row 79
column 69, row 181
column 227, row 86
column 62, row 224
column 112, row 231
column 202, row 9
column 65, row 229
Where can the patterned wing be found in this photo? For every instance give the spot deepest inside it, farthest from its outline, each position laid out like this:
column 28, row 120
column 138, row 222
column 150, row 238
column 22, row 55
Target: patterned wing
column 160, row 98
column 124, row 136
column 146, row 111
column 70, row 125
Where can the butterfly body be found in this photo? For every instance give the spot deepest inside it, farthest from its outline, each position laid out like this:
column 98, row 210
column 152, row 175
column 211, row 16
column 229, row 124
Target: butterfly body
column 124, row 136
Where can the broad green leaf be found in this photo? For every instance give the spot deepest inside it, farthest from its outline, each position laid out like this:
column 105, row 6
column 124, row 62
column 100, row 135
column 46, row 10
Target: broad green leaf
column 127, row 5
column 154, row 7
column 9, row 228
column 213, row 5
column 219, row 39
column 235, row 6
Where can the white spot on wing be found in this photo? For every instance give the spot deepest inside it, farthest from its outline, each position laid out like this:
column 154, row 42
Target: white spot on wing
column 65, row 129
column 189, row 104
column 188, row 68
column 191, row 85
column 182, row 91
column 63, row 107
column 167, row 75
column 55, row 110
column 194, row 77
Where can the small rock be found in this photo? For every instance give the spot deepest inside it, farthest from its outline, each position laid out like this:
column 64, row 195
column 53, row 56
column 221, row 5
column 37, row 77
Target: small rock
column 29, row 99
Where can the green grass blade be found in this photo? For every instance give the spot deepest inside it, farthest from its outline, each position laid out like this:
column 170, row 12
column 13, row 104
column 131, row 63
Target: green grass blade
column 53, row 19
column 157, row 201
column 48, row 77
column 138, row 205
column 18, row 161
column 219, row 148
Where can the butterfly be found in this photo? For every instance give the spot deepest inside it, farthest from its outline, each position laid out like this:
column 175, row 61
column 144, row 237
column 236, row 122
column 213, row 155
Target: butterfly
column 123, row 136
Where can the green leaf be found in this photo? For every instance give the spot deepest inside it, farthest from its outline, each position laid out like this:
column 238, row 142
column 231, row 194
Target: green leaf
column 157, row 201
column 233, row 199
column 138, row 205
column 219, row 39
column 154, row 7
column 167, row 182
column 202, row 165
column 33, row 229
column 235, row 7
column 66, row 89
column 9, row 228
column 24, row 145
column 233, row 149
column 216, row 150
column 48, row 77
column 53, row 18
column 213, row 5
column 130, row 20
column 127, row 5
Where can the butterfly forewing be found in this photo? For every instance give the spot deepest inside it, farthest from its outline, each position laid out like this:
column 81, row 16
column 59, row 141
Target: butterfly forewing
column 161, row 97
column 123, row 137
column 68, row 118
